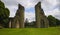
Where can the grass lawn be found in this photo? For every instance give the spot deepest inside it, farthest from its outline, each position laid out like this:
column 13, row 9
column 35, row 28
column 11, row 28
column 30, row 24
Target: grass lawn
column 31, row 31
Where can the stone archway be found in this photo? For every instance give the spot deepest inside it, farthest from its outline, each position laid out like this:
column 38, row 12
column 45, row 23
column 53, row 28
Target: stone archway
column 41, row 20
column 18, row 20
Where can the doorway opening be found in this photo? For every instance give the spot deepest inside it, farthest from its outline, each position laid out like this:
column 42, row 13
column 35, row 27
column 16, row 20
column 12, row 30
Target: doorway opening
column 30, row 17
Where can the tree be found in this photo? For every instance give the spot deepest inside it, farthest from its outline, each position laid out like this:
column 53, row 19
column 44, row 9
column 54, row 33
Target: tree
column 26, row 22
column 2, row 4
column 52, row 20
column 58, row 22
column 4, row 14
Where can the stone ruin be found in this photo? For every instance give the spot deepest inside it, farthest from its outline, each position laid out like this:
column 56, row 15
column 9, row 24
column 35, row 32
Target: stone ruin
column 18, row 20
column 41, row 19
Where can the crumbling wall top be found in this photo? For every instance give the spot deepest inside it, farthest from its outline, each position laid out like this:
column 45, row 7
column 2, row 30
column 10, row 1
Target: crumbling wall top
column 20, row 6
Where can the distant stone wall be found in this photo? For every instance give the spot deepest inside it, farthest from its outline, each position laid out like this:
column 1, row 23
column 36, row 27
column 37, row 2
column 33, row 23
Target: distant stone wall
column 41, row 20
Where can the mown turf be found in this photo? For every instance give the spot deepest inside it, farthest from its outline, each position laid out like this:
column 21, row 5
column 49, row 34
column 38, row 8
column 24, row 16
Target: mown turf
column 31, row 31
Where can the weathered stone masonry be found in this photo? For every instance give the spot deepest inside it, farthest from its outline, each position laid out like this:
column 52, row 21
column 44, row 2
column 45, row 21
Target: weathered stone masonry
column 18, row 20
column 41, row 20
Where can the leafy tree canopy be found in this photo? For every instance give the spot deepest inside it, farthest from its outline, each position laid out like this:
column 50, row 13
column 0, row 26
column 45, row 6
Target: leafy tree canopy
column 53, row 21
column 4, row 14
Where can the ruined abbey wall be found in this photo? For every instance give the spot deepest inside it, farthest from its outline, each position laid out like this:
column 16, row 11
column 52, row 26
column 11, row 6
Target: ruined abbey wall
column 18, row 20
column 41, row 20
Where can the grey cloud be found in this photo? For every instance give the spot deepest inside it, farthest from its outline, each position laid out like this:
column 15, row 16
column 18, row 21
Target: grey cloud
column 13, row 10
column 58, row 4
column 58, row 1
column 57, row 16
column 10, row 2
column 47, row 6
column 12, row 6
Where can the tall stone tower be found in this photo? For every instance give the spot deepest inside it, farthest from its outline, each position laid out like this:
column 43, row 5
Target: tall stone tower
column 20, row 17
column 41, row 20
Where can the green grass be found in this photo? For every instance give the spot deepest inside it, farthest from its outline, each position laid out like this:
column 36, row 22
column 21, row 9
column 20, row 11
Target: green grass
column 31, row 31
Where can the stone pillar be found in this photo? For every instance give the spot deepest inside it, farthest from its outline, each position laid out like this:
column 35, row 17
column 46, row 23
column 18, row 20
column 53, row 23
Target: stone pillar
column 17, row 24
column 37, row 12
column 10, row 23
column 41, row 20
column 13, row 23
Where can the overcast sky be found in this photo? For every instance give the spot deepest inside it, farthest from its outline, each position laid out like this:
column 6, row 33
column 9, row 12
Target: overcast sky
column 50, row 7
